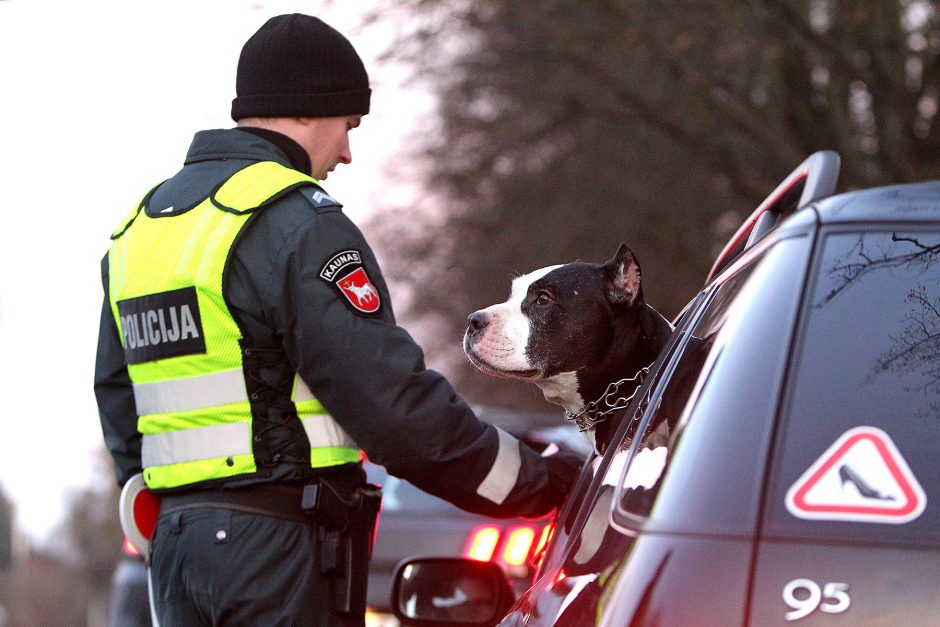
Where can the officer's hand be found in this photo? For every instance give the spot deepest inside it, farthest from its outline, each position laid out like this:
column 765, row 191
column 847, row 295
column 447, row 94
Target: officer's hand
column 563, row 470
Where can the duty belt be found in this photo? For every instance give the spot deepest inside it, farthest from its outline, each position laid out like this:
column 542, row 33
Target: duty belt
column 277, row 500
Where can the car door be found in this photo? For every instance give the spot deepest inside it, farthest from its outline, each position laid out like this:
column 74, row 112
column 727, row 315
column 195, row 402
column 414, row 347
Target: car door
column 691, row 494
column 660, row 548
column 589, row 502
column 851, row 530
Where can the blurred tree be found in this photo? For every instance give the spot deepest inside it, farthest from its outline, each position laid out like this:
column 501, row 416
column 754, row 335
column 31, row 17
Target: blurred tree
column 93, row 534
column 564, row 127
column 67, row 580
column 93, row 537
column 44, row 589
column 6, row 532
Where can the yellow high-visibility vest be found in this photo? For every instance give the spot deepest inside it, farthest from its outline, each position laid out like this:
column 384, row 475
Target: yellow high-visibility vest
column 181, row 342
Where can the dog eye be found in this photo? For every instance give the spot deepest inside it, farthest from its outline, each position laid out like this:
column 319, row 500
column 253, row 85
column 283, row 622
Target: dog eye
column 544, row 298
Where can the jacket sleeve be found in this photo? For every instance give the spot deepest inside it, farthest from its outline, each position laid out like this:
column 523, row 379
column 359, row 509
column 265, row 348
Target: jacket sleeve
column 370, row 375
column 115, row 395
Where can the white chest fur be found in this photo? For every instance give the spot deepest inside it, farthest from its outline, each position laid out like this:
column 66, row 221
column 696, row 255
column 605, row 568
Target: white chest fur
column 562, row 389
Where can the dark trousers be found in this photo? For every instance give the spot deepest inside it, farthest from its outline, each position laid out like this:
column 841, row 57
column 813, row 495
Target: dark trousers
column 214, row 566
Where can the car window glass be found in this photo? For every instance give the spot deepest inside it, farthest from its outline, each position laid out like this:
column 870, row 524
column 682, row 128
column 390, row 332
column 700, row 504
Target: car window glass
column 598, row 544
column 600, row 541
column 647, row 466
column 867, row 371
column 703, row 452
column 591, row 487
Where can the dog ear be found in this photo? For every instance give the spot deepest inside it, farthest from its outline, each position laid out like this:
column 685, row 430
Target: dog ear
column 622, row 278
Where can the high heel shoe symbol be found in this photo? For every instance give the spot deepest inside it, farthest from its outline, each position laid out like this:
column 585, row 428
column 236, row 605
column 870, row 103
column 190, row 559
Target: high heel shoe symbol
column 847, row 475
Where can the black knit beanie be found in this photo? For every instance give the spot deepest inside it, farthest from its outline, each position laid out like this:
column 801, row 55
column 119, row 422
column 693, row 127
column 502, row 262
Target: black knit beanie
column 299, row 66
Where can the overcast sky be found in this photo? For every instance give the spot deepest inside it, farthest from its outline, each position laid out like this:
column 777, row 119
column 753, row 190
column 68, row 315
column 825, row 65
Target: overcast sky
column 98, row 102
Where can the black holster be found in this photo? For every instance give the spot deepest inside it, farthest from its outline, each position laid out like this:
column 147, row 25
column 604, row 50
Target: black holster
column 346, row 531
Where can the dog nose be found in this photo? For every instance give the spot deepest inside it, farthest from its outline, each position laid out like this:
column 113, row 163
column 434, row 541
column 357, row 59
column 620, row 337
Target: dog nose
column 478, row 321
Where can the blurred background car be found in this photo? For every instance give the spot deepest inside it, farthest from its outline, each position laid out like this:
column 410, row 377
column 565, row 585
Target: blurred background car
column 129, row 605
column 413, row 522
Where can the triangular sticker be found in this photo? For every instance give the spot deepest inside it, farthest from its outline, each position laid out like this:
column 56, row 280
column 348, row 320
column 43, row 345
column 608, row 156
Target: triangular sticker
column 862, row 477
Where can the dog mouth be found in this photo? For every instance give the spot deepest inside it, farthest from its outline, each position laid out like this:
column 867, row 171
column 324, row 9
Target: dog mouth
column 488, row 368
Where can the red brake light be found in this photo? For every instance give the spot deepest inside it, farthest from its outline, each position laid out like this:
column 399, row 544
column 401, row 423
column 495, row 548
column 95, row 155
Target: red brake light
column 518, row 543
column 482, row 543
column 129, row 548
column 542, row 544
column 544, row 538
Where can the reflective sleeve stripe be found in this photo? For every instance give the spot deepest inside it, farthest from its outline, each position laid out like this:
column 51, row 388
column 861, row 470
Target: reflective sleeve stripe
column 176, row 395
column 323, row 431
column 189, row 445
column 301, row 391
column 502, row 476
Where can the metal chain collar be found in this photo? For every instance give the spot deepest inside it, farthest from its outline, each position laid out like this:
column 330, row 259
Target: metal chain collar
column 610, row 401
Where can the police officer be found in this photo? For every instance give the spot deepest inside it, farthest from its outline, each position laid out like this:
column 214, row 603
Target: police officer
column 248, row 353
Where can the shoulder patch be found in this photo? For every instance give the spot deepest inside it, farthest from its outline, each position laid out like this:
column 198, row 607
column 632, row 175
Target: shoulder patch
column 345, row 272
column 319, row 198
column 339, row 262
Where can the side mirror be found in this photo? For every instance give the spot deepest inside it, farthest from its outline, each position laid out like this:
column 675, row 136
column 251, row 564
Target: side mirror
column 452, row 591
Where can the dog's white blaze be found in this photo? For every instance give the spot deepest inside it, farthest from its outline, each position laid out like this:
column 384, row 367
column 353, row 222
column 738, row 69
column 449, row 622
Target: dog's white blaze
column 506, row 337
column 562, row 389
column 520, row 285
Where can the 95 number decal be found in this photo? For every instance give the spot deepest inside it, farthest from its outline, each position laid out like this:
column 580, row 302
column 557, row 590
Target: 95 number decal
column 805, row 596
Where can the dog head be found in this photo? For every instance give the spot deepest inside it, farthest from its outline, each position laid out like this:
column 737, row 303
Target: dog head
column 564, row 328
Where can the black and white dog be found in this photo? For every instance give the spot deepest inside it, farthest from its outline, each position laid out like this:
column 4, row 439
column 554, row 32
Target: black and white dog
column 571, row 329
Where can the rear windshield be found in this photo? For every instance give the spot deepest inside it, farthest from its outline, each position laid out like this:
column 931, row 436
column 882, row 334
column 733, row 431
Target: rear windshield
column 862, row 431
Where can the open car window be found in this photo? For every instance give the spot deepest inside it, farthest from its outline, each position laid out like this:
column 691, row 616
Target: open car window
column 640, row 481
column 583, row 538
column 710, row 425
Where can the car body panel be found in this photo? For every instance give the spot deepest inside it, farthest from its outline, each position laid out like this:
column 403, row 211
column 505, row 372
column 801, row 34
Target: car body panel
column 640, row 587
column 709, row 494
column 865, row 367
column 909, row 203
column 129, row 605
column 884, row 585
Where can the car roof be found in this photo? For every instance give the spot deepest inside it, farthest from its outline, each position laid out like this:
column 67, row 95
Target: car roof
column 911, row 202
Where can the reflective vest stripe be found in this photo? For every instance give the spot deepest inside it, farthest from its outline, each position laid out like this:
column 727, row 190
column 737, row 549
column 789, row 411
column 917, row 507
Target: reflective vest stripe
column 177, row 395
column 231, row 439
column 301, row 391
column 504, row 472
column 189, row 445
column 323, row 431
column 208, row 390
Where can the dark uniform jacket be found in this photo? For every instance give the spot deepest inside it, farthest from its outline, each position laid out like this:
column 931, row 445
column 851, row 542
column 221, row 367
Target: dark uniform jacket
column 367, row 371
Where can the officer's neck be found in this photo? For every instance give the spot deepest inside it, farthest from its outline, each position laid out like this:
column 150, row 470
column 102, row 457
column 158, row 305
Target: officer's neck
column 299, row 159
